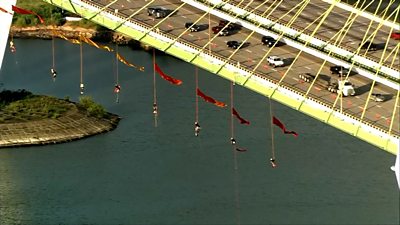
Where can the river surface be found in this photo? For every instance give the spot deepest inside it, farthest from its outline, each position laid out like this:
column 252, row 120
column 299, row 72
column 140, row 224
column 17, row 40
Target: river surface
column 139, row 174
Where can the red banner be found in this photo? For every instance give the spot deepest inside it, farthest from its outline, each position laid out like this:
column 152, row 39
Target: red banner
column 166, row 77
column 24, row 11
column 209, row 99
column 241, row 120
column 280, row 125
column 5, row 11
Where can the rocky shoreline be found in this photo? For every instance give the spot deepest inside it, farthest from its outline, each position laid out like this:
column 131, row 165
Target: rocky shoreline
column 105, row 36
column 73, row 125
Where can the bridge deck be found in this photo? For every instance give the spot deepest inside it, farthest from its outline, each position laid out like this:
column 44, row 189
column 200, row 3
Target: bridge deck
column 377, row 114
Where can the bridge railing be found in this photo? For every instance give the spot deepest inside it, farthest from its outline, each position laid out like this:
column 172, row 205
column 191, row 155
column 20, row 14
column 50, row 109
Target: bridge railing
column 233, row 63
column 344, row 56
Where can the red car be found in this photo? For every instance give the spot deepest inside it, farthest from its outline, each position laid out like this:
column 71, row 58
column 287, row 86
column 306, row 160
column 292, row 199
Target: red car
column 395, row 35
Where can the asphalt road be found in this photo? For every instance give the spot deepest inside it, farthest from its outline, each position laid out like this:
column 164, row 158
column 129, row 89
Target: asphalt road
column 379, row 114
column 336, row 20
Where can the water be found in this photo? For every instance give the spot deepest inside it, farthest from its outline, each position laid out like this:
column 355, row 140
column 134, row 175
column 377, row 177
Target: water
column 139, row 174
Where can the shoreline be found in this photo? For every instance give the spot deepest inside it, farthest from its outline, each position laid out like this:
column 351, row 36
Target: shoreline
column 104, row 36
column 72, row 125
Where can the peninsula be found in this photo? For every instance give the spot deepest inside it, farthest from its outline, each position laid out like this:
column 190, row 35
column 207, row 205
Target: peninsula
column 27, row 119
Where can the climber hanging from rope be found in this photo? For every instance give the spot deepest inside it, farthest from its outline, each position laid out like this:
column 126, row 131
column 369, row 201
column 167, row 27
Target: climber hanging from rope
column 155, row 109
column 53, row 73
column 12, row 47
column 233, row 141
column 273, row 164
column 197, row 128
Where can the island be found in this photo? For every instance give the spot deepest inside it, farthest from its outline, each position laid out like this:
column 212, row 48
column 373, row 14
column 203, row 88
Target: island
column 27, row 119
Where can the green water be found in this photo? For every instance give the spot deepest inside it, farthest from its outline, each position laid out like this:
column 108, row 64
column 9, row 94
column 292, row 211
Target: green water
column 139, row 174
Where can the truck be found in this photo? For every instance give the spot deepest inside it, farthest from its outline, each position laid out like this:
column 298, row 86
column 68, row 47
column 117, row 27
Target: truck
column 341, row 86
column 275, row 61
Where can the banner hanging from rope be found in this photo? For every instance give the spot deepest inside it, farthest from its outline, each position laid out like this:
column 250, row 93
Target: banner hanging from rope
column 94, row 44
column 25, row 11
column 123, row 60
column 5, row 11
column 209, row 99
column 278, row 123
column 166, row 77
column 241, row 119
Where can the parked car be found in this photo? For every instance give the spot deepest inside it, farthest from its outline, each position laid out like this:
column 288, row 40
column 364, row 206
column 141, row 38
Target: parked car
column 194, row 28
column 275, row 61
column 235, row 44
column 269, row 41
column 369, row 46
column 339, row 70
column 377, row 97
column 157, row 12
column 395, row 35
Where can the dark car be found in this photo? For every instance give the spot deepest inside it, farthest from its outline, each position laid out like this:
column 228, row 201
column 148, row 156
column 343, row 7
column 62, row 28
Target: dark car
column 221, row 31
column 194, row 28
column 157, row 12
column 307, row 77
column 369, row 46
column 340, row 70
column 269, row 41
column 377, row 97
column 236, row 44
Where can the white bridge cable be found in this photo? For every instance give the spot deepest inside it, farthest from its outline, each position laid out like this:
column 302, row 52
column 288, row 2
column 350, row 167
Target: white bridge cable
column 373, row 82
column 339, row 39
column 278, row 39
column 226, row 25
column 194, row 23
column 325, row 15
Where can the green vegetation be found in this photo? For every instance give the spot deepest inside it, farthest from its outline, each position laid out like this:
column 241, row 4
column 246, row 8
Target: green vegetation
column 51, row 14
column 21, row 105
column 92, row 108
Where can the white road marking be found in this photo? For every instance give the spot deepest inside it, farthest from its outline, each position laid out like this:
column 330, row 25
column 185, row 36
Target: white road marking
column 307, row 67
column 294, row 78
column 357, row 97
column 379, row 106
column 184, row 16
column 265, row 50
column 247, row 50
column 274, row 70
column 191, row 35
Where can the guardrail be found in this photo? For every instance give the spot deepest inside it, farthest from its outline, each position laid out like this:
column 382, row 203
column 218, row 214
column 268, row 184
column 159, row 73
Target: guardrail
column 366, row 67
column 244, row 71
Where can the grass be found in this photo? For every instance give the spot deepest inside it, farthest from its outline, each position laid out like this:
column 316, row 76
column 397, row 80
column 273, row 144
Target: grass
column 31, row 107
column 51, row 14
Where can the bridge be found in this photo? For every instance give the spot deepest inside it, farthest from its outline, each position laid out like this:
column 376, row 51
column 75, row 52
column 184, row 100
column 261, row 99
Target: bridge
column 314, row 35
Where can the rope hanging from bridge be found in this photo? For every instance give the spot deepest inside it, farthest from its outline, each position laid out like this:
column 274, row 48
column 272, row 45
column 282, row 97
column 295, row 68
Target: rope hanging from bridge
column 197, row 126
column 53, row 70
column 235, row 148
column 81, row 86
column 273, row 156
column 155, row 107
column 117, row 86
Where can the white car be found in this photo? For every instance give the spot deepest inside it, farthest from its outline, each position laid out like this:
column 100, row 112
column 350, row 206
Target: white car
column 275, row 61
